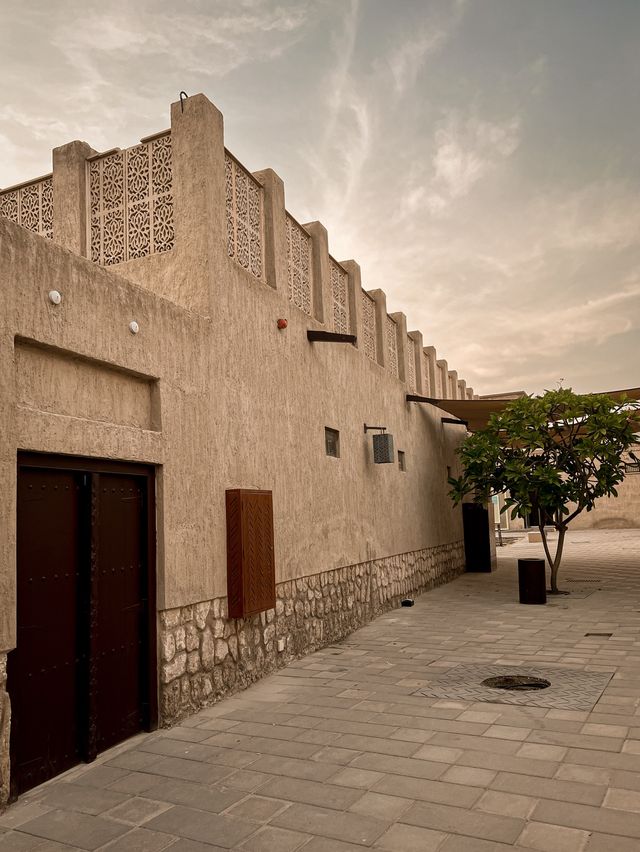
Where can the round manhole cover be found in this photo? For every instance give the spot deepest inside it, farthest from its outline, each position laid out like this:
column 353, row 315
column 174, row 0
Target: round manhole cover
column 522, row 683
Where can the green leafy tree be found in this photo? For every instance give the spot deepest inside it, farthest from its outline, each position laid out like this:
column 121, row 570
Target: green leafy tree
column 552, row 456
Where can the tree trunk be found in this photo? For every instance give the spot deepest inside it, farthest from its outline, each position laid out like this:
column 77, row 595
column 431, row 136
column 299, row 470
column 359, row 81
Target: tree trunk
column 556, row 562
column 546, row 545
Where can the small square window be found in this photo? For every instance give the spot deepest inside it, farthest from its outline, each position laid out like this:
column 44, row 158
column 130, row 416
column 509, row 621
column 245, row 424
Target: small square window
column 401, row 461
column 332, row 442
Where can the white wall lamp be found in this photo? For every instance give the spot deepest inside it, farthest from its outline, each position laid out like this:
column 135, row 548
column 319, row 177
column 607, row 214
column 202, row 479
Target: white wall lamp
column 55, row 297
column 134, row 328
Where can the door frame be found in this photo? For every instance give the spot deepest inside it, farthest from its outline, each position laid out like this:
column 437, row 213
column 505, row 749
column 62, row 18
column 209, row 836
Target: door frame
column 83, row 464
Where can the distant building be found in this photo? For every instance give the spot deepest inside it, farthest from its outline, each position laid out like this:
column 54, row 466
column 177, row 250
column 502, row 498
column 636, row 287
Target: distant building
column 621, row 512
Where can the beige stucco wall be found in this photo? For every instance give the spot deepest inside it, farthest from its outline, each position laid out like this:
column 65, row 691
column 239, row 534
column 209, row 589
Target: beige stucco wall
column 91, row 325
column 621, row 512
column 210, row 390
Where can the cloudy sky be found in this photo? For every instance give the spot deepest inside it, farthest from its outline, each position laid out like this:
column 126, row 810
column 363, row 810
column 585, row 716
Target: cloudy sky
column 480, row 159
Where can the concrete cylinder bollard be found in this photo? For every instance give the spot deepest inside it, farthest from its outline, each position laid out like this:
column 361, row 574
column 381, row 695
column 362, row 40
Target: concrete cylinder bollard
column 532, row 581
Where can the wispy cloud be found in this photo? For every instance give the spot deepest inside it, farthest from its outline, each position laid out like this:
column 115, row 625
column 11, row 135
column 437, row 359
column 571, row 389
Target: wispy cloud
column 462, row 165
column 107, row 64
column 407, row 59
column 466, row 150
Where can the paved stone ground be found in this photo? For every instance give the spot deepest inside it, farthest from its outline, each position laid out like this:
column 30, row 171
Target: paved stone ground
column 337, row 752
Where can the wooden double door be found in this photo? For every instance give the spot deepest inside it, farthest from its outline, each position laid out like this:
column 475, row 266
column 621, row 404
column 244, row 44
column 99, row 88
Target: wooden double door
column 83, row 674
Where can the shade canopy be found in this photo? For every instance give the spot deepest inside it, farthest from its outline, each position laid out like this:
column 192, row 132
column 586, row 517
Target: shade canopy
column 476, row 412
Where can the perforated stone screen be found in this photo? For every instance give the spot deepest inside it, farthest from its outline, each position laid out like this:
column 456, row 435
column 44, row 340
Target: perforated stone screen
column 131, row 202
column 299, row 265
column 340, row 294
column 427, row 390
column 369, row 326
column 411, row 364
column 392, row 345
column 244, row 209
column 31, row 206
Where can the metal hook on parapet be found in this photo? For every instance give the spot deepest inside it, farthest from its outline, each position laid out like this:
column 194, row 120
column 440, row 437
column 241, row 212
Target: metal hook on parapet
column 183, row 97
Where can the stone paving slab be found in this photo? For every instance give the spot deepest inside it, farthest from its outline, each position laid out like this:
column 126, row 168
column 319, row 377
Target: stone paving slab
column 344, row 750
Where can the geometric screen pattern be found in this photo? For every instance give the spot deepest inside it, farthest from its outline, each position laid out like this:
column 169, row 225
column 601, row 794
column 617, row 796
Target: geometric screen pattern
column 243, row 199
column 427, row 390
column 392, row 345
column 30, row 205
column 299, row 265
column 368, row 326
column 131, row 202
column 340, row 295
column 411, row 364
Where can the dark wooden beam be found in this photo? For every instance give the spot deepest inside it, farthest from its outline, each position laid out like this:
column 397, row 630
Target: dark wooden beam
column 454, row 421
column 320, row 336
column 414, row 397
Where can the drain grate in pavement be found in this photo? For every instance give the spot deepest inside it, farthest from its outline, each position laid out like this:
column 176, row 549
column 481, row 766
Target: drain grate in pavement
column 523, row 683
column 570, row 689
column 584, row 580
column 606, row 635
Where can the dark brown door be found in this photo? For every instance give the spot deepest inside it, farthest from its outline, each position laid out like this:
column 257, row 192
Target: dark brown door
column 47, row 668
column 120, row 639
column 477, row 544
column 83, row 675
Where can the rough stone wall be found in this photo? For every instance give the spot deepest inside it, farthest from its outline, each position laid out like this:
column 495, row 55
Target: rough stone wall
column 205, row 654
column 5, row 719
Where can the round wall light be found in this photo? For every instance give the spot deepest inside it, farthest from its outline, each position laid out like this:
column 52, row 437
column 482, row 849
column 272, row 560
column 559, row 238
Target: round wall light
column 55, row 297
column 134, row 328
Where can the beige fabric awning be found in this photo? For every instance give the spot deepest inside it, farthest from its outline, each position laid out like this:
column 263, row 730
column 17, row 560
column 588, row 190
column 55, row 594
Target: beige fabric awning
column 476, row 412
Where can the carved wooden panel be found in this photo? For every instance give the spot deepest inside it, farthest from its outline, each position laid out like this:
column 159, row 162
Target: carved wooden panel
column 251, row 576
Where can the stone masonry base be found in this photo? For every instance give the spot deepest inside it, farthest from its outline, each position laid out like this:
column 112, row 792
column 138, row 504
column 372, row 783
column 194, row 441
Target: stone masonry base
column 206, row 655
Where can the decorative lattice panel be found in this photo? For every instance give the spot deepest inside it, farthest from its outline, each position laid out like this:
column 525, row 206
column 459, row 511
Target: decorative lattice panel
column 369, row 326
column 299, row 265
column 392, row 346
column 411, row 363
column 427, row 390
column 31, row 206
column 244, row 217
column 131, row 202
column 340, row 297
column 444, row 381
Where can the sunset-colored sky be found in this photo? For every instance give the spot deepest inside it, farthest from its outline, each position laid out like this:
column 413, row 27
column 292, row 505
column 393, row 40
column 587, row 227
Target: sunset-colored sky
column 480, row 159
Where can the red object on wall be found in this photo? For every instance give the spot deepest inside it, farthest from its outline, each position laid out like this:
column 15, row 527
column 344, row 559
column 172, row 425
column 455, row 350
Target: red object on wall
column 282, row 323
column 251, row 576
